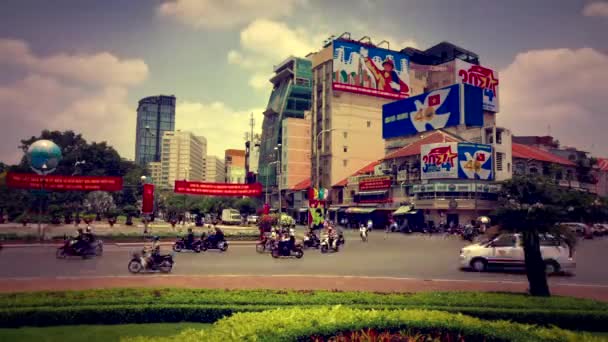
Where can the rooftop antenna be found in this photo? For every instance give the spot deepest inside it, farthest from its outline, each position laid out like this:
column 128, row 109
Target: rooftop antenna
column 388, row 45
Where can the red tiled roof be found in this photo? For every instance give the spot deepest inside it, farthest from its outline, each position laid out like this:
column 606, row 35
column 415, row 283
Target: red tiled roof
column 602, row 163
column 366, row 169
column 414, row 148
column 530, row 152
column 303, row 185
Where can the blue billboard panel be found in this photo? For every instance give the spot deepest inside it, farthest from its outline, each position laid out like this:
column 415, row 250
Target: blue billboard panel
column 369, row 70
column 475, row 161
column 433, row 110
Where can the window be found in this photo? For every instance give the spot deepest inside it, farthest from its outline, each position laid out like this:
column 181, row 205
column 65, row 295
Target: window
column 508, row 167
column 369, row 124
column 498, row 137
column 345, row 162
column 345, row 148
column 533, row 170
column 345, row 134
column 499, row 159
column 505, row 240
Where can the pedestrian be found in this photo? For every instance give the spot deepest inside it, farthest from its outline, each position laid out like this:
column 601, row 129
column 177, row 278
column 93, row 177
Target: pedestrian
column 370, row 224
column 387, row 228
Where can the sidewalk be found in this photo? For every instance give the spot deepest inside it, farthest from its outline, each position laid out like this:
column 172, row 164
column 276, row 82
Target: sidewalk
column 296, row 282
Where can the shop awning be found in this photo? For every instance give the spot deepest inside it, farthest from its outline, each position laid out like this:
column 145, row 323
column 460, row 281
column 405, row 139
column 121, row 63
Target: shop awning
column 359, row 210
column 404, row 209
column 303, row 210
column 372, row 193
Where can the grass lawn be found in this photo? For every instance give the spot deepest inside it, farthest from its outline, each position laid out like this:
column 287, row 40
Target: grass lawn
column 93, row 333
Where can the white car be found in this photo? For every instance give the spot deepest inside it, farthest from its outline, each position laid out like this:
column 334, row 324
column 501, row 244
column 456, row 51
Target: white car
column 252, row 219
column 507, row 251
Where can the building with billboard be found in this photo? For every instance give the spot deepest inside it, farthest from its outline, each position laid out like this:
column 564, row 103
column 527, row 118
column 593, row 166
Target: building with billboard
column 215, row 170
column 183, row 157
column 290, row 98
column 234, row 165
column 155, row 116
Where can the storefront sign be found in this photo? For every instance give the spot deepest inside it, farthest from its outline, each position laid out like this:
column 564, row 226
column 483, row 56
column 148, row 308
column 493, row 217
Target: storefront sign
column 375, row 183
column 217, row 189
column 63, row 183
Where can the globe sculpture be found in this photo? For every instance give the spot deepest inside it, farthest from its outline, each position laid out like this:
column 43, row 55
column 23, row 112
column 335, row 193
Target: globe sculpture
column 44, row 156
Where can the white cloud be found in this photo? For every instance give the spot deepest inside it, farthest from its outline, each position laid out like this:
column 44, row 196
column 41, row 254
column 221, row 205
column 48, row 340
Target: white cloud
column 223, row 126
column 53, row 96
column 96, row 69
column 563, row 88
column 596, row 9
column 360, row 29
column 265, row 43
column 224, row 14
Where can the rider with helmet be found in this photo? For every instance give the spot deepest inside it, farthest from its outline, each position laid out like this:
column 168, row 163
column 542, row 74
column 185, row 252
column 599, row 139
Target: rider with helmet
column 189, row 238
column 79, row 242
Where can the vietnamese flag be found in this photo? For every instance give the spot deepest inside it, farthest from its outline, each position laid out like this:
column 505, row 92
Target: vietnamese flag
column 147, row 206
column 434, row 100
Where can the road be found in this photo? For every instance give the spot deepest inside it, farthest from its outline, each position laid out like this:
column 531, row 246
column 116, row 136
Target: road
column 399, row 256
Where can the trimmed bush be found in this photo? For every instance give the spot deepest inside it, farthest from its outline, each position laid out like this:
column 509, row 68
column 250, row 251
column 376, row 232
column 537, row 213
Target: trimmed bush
column 324, row 324
column 187, row 305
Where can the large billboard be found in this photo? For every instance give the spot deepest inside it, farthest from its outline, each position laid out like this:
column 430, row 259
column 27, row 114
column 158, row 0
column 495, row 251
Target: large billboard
column 364, row 69
column 439, row 160
column 475, row 161
column 482, row 77
column 456, row 160
column 433, row 110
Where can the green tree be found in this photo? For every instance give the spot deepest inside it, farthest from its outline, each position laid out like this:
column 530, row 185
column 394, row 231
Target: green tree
column 100, row 203
column 245, row 205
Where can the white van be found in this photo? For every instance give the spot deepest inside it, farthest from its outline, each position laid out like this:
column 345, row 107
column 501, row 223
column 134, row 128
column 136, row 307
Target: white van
column 507, row 251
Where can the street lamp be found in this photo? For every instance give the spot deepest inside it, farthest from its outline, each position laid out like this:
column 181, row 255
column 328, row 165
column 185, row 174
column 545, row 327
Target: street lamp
column 280, row 173
column 317, row 152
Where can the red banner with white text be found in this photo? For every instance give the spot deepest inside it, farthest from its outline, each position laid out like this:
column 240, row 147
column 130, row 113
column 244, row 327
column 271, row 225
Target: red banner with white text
column 217, row 189
column 63, row 183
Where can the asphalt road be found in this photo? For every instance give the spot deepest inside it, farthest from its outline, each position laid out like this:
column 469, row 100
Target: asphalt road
column 400, row 256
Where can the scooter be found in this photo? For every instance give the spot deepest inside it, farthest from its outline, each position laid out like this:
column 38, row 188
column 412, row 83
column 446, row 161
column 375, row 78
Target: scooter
column 296, row 251
column 326, row 246
column 181, row 244
column 95, row 248
column 140, row 263
column 264, row 245
column 311, row 241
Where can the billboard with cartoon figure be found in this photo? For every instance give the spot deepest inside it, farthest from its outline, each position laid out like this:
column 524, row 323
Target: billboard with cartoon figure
column 482, row 77
column 439, row 160
column 365, row 69
column 475, row 161
column 433, row 110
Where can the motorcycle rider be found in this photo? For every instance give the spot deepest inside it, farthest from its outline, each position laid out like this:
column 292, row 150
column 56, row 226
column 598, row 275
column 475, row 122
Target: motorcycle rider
column 79, row 242
column 284, row 244
column 332, row 237
column 154, row 252
column 292, row 238
column 189, row 239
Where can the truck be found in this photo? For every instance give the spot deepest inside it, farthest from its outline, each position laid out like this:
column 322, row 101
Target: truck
column 231, row 216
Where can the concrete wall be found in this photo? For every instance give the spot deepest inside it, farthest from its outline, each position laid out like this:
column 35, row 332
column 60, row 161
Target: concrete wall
column 296, row 151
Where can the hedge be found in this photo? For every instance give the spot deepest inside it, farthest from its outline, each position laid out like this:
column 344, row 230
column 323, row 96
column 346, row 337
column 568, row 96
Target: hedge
column 321, row 324
column 206, row 306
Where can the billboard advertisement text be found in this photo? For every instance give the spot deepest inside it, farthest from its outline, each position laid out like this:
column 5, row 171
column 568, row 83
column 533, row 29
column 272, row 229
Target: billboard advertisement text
column 439, row 161
column 368, row 70
column 482, row 77
column 475, row 161
column 63, row 183
column 217, row 189
column 375, row 183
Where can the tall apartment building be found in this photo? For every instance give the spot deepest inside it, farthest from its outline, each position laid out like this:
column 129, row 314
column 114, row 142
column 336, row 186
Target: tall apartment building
column 234, row 161
column 295, row 149
column 155, row 116
column 215, row 170
column 183, row 157
column 290, row 98
column 156, row 171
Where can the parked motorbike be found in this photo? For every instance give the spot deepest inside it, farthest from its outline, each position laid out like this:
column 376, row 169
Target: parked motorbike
column 95, row 248
column 296, row 251
column 327, row 245
column 311, row 241
column 181, row 244
column 210, row 243
column 140, row 262
column 264, row 245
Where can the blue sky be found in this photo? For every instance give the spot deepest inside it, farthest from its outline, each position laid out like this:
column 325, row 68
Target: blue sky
column 83, row 64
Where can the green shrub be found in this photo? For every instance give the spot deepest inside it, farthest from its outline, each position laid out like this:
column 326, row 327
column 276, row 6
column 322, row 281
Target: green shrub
column 565, row 312
column 321, row 324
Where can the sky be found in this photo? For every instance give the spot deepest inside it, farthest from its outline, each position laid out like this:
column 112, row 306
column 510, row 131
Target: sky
column 84, row 64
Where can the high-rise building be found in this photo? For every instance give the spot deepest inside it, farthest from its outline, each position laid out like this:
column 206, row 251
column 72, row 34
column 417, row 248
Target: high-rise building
column 290, row 98
column 155, row 169
column 183, row 157
column 215, row 170
column 155, row 116
column 295, row 149
column 234, row 161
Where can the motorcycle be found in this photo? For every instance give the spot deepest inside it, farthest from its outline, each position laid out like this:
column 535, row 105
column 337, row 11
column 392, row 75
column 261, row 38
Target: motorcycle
column 95, row 248
column 208, row 243
column 363, row 235
column 311, row 241
column 326, row 246
column 139, row 263
column 264, row 245
column 181, row 244
column 469, row 234
column 296, row 251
